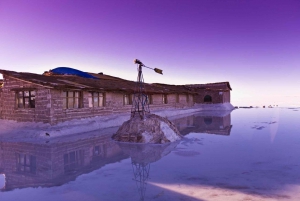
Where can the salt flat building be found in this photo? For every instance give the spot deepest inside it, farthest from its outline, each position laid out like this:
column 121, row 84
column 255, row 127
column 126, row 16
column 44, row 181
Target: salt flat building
column 54, row 98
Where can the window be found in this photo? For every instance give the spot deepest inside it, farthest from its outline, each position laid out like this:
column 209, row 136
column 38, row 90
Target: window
column 72, row 99
column 73, row 160
column 26, row 163
column 96, row 99
column 127, row 99
column 96, row 150
column 187, row 98
column 177, row 98
column 25, row 99
column 207, row 120
column 149, row 99
column 164, row 98
column 207, row 98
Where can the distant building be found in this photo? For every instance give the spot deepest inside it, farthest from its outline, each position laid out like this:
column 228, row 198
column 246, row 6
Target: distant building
column 212, row 92
column 53, row 98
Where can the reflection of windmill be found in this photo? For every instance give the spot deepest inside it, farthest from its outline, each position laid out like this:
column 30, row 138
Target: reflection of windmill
column 141, row 175
column 142, row 155
column 140, row 103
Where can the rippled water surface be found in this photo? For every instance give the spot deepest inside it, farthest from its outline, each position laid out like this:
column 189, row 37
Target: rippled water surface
column 248, row 154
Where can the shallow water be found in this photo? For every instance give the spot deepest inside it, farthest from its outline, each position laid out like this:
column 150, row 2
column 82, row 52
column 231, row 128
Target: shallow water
column 250, row 154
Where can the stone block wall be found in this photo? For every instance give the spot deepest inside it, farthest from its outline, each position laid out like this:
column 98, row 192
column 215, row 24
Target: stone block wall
column 20, row 179
column 184, row 124
column 50, row 163
column 226, row 97
column 49, row 104
column 1, row 103
column 204, row 124
column 213, row 125
column 9, row 109
column 217, row 96
column 113, row 104
column 173, row 101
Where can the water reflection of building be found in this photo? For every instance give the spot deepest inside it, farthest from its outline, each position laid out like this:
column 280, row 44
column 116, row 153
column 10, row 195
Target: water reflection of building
column 205, row 122
column 50, row 164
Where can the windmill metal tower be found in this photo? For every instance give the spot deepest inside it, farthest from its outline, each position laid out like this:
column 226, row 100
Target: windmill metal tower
column 140, row 101
column 141, row 175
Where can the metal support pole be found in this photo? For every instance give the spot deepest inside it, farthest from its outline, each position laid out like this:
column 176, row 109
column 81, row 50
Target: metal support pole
column 140, row 103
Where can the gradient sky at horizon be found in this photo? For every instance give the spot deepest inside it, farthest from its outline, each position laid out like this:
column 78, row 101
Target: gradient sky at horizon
column 254, row 44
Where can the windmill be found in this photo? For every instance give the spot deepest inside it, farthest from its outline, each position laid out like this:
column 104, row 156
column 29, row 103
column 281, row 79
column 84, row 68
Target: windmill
column 140, row 102
column 141, row 175
column 142, row 155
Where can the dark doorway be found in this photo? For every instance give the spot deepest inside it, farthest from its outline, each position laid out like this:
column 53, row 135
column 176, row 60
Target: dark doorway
column 207, row 120
column 207, row 99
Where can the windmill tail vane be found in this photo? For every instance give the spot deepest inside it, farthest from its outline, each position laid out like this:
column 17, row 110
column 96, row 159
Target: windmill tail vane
column 157, row 70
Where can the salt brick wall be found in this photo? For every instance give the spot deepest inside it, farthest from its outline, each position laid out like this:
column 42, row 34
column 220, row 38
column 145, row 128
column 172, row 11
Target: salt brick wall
column 226, row 120
column 50, row 160
column 217, row 122
column 216, row 97
column 197, row 124
column 184, row 122
column 157, row 101
column 226, row 97
column 20, row 179
column 114, row 104
column 1, row 102
column 41, row 112
column 49, row 104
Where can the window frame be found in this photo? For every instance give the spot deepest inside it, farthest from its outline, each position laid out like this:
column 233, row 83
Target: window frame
column 177, row 98
column 73, row 160
column 92, row 97
column 26, row 163
column 165, row 98
column 76, row 100
column 149, row 99
column 21, row 95
column 129, row 101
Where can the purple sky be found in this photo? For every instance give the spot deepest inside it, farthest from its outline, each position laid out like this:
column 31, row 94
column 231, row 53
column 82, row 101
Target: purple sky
column 253, row 44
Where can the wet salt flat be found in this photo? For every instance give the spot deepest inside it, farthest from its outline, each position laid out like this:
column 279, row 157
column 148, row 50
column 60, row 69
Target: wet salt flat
column 248, row 154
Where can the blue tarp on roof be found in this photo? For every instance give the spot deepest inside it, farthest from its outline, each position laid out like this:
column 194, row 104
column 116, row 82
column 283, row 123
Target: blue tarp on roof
column 71, row 71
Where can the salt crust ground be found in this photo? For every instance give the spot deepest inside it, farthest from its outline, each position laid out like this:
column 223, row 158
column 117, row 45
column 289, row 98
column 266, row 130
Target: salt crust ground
column 152, row 129
column 14, row 130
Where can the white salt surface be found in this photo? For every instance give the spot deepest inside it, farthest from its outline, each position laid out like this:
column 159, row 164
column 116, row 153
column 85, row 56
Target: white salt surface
column 22, row 130
column 147, row 136
column 212, row 107
column 169, row 133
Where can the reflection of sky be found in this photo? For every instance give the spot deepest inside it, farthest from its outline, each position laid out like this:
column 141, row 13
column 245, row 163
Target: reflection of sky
column 258, row 161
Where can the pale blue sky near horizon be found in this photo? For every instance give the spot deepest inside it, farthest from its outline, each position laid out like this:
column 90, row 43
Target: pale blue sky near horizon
column 252, row 44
